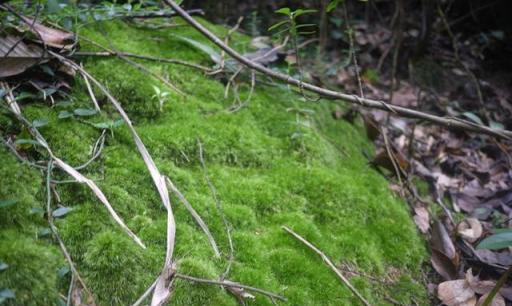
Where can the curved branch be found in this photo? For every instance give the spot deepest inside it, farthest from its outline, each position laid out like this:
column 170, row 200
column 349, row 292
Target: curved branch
column 449, row 122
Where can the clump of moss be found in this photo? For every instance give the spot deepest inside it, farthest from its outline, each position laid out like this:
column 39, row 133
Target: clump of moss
column 321, row 187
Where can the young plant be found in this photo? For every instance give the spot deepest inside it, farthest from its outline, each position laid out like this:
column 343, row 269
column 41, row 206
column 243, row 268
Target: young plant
column 160, row 96
column 291, row 27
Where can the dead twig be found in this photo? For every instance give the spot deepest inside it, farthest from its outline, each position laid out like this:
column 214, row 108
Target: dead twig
column 140, row 67
column 227, row 225
column 196, row 217
column 226, row 283
column 63, row 248
column 334, row 95
column 330, row 264
column 142, row 57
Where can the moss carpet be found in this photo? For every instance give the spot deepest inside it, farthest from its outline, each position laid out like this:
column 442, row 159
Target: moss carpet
column 278, row 161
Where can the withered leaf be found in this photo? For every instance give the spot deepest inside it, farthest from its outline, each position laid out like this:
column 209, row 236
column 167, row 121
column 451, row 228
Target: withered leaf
column 498, row 300
column 456, row 293
column 50, row 36
column 16, row 56
column 470, row 229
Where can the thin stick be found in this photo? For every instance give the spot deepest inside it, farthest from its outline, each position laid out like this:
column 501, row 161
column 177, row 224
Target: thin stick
column 449, row 122
column 91, row 92
column 227, row 225
column 330, row 264
column 196, row 217
column 96, row 152
column 225, row 283
column 142, row 57
column 143, row 69
column 56, row 234
column 146, row 294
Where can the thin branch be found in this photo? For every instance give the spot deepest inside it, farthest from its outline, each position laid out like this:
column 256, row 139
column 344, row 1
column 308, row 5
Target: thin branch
column 227, row 225
column 449, row 122
column 145, row 295
column 142, row 57
column 140, row 67
column 56, row 234
column 330, row 264
column 91, row 92
column 230, row 284
column 160, row 14
column 96, row 151
column 196, row 217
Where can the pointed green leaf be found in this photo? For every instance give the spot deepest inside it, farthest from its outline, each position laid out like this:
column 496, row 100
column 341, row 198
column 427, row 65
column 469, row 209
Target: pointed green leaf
column 501, row 240
column 7, row 203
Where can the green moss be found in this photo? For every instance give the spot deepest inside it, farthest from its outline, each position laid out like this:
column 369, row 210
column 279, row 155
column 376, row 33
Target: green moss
column 318, row 184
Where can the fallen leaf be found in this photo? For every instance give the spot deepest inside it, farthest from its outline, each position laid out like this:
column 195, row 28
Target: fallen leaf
column 470, row 229
column 422, row 219
column 498, row 300
column 456, row 293
column 443, row 265
column 441, row 240
column 495, row 258
column 50, row 36
column 17, row 56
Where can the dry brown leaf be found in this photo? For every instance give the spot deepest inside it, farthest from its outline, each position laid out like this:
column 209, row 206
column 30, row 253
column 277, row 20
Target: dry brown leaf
column 495, row 258
column 443, row 265
column 441, row 240
column 422, row 219
column 470, row 229
column 456, row 293
column 51, row 37
column 498, row 300
column 17, row 56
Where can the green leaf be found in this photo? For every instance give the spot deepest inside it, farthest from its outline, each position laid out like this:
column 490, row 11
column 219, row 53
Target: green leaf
column 85, row 112
column 501, row 240
column 118, row 123
column 63, row 271
column 36, row 211
column 39, row 123
column 61, row 211
column 473, row 117
column 43, row 232
column 300, row 12
column 277, row 25
column 201, row 47
column 7, row 294
column 333, row 5
column 284, row 10
column 102, row 125
column 3, row 266
column 65, row 115
column 496, row 125
column 7, row 203
column 52, row 6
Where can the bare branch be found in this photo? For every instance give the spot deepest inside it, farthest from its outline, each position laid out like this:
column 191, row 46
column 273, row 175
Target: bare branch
column 230, row 284
column 449, row 122
column 330, row 264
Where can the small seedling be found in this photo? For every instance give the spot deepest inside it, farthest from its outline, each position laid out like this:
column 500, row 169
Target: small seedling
column 161, row 96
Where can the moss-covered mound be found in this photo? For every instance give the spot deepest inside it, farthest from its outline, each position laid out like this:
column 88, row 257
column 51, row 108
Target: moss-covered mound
column 278, row 161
